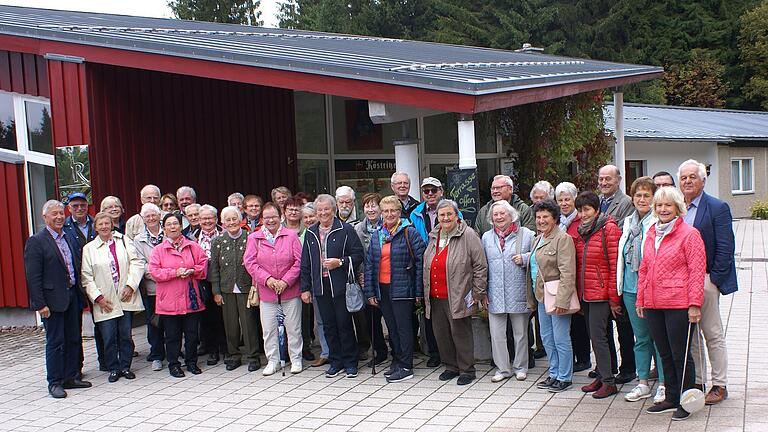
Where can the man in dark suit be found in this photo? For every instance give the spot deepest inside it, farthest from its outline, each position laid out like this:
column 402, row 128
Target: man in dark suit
column 712, row 218
column 52, row 271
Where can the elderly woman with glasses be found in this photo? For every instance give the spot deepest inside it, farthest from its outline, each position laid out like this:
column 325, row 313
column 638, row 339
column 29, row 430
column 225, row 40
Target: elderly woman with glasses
column 112, row 206
column 507, row 298
column 177, row 264
column 455, row 282
column 272, row 257
column 111, row 273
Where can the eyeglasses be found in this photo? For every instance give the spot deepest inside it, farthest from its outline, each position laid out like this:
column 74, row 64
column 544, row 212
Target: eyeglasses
column 292, row 209
column 429, row 191
column 401, row 183
column 78, row 205
column 170, row 224
column 270, row 217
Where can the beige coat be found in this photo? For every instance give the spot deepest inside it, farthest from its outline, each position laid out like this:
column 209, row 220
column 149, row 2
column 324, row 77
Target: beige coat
column 467, row 269
column 556, row 260
column 97, row 276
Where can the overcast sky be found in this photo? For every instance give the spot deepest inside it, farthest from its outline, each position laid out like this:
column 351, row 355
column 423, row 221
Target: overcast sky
column 153, row 8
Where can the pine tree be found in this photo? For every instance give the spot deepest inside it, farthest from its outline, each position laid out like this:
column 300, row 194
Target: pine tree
column 223, row 11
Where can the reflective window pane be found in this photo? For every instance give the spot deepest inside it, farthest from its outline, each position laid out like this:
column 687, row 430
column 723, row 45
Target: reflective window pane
column 7, row 123
column 42, row 188
column 39, row 127
column 309, row 109
column 735, row 180
column 313, row 176
column 746, row 166
column 355, row 133
column 486, row 169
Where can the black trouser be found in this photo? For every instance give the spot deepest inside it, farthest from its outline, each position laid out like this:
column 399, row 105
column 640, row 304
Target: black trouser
column 307, row 325
column 212, row 334
column 337, row 326
column 430, row 335
column 63, row 342
column 626, row 343
column 580, row 337
column 398, row 315
column 669, row 330
column 362, row 331
column 118, row 341
column 154, row 334
column 174, row 326
column 379, row 342
column 598, row 316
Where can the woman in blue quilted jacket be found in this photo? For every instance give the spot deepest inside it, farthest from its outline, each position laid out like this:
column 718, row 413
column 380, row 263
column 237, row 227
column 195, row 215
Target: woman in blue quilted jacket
column 393, row 282
column 507, row 298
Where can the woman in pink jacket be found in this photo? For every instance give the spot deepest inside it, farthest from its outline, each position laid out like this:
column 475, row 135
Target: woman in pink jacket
column 670, row 292
column 177, row 264
column 273, row 258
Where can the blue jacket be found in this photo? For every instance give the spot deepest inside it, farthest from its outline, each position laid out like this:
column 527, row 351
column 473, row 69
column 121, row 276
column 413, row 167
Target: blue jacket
column 73, row 232
column 47, row 275
column 406, row 269
column 343, row 243
column 417, row 219
column 715, row 223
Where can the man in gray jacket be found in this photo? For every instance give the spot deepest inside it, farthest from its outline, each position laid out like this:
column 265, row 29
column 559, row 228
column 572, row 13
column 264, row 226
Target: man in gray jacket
column 503, row 188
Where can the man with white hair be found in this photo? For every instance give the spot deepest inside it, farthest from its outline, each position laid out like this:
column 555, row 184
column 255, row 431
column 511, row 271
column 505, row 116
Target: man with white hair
column 401, row 185
column 713, row 219
column 135, row 224
column 52, row 269
column 503, row 188
column 345, row 202
column 185, row 196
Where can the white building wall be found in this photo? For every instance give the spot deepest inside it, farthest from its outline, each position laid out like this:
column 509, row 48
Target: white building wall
column 668, row 155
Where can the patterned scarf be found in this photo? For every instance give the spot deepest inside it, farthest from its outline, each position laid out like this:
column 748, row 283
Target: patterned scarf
column 662, row 229
column 635, row 241
column 154, row 240
column 565, row 221
column 114, row 265
column 372, row 228
column 502, row 235
column 268, row 235
column 205, row 240
column 176, row 244
column 443, row 238
column 385, row 234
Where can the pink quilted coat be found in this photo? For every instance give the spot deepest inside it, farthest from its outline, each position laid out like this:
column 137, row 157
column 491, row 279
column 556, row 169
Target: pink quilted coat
column 673, row 276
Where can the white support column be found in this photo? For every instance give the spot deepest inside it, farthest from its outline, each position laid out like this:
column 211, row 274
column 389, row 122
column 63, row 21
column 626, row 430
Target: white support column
column 407, row 161
column 618, row 115
column 467, row 155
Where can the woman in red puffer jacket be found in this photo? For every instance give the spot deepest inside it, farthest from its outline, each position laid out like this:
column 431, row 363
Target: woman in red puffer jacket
column 597, row 249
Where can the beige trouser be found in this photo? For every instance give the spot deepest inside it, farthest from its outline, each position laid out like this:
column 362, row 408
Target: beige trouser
column 712, row 327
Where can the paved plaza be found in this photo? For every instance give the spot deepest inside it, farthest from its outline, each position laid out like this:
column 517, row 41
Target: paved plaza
column 238, row 400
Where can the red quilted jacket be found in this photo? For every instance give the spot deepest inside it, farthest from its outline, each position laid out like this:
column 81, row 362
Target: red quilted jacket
column 673, row 276
column 596, row 279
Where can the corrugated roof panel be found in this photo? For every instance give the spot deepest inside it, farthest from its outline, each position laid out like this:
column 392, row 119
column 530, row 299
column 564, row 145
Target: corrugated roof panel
column 452, row 68
column 683, row 123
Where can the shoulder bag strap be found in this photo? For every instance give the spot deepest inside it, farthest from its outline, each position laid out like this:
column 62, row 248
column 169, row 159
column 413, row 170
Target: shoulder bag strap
column 408, row 243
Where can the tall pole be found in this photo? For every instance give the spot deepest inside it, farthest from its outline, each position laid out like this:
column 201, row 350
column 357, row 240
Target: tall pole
column 618, row 115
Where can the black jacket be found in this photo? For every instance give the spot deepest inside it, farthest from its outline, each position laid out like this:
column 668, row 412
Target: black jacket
column 47, row 276
column 342, row 242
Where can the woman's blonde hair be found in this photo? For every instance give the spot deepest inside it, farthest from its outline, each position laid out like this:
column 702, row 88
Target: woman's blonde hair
column 391, row 200
column 669, row 193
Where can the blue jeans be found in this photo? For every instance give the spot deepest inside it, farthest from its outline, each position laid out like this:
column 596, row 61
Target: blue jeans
column 644, row 346
column 556, row 336
column 118, row 343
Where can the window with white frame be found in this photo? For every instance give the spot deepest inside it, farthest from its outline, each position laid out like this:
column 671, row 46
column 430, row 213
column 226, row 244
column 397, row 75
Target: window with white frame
column 25, row 130
column 742, row 175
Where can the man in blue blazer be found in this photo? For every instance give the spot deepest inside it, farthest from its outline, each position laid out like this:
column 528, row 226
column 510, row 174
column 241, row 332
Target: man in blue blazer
column 53, row 281
column 712, row 218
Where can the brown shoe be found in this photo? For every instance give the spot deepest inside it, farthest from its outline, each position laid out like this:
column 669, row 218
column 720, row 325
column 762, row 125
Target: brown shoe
column 593, row 387
column 319, row 362
column 698, row 387
column 605, row 391
column 716, row 395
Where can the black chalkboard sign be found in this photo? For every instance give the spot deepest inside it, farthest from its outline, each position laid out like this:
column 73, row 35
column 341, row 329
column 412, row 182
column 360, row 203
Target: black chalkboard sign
column 462, row 188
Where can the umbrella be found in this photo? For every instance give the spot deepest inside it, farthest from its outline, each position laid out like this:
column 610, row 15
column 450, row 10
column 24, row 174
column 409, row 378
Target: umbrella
column 281, row 339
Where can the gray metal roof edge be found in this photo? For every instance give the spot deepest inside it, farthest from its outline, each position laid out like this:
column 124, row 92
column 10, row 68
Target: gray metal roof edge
column 671, row 138
column 473, row 89
column 676, row 107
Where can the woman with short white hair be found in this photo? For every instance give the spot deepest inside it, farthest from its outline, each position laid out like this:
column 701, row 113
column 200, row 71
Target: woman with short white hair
column 542, row 190
column 112, row 206
column 507, row 297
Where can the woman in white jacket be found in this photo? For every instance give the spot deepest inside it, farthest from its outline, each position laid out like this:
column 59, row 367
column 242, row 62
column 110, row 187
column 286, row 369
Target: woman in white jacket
column 111, row 275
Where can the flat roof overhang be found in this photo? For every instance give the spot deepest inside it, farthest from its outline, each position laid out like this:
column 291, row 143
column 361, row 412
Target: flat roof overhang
column 460, row 101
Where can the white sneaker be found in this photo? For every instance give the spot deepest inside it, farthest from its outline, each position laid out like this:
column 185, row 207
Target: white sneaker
column 661, row 395
column 296, row 367
column 641, row 391
column 521, row 376
column 270, row 369
column 157, row 365
column 498, row 377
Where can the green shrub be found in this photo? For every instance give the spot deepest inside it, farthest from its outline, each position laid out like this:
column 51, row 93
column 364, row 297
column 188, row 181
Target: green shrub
column 759, row 209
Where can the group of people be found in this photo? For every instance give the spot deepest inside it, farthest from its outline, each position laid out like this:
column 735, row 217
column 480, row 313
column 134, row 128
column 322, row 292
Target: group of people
column 564, row 268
